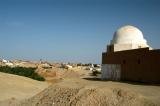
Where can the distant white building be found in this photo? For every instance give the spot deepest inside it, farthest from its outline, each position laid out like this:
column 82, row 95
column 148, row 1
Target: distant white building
column 69, row 66
column 7, row 62
column 4, row 61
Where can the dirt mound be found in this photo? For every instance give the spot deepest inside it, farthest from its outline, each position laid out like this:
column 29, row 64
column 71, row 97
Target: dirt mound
column 52, row 75
column 78, row 94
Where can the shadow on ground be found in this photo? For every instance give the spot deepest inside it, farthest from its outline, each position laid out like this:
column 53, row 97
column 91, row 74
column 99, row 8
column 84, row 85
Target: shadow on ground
column 128, row 82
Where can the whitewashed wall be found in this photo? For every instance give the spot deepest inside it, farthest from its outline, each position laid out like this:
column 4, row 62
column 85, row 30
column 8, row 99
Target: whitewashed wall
column 111, row 72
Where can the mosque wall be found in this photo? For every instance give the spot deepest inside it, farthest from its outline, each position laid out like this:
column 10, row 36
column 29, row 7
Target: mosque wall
column 136, row 65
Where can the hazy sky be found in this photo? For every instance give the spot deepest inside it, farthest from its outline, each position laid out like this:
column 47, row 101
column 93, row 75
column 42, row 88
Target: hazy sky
column 71, row 30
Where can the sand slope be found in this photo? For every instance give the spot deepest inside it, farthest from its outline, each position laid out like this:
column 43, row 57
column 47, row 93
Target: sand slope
column 18, row 87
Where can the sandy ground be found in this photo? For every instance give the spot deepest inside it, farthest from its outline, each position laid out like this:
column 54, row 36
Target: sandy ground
column 17, row 88
column 80, row 92
column 75, row 88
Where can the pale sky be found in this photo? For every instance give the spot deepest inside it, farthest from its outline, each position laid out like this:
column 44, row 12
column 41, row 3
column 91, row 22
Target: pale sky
column 71, row 30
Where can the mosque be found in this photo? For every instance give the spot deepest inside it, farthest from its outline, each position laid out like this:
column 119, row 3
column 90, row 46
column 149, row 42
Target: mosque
column 129, row 57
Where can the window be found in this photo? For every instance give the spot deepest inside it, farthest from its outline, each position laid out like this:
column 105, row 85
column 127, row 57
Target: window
column 139, row 61
column 124, row 61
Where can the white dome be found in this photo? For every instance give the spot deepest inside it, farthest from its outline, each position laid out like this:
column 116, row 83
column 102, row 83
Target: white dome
column 128, row 35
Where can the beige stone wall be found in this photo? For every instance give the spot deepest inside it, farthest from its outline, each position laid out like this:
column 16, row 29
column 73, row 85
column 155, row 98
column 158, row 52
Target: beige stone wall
column 121, row 47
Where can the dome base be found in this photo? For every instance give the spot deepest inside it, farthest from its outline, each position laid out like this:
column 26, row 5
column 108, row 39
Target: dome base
column 122, row 47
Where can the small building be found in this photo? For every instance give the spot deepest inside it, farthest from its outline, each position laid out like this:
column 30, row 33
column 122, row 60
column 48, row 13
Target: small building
column 129, row 57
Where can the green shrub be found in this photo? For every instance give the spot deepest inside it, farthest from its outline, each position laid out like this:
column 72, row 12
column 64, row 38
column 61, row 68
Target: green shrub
column 22, row 71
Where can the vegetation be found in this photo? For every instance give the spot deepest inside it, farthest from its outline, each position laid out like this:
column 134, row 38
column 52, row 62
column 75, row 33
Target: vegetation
column 22, row 71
